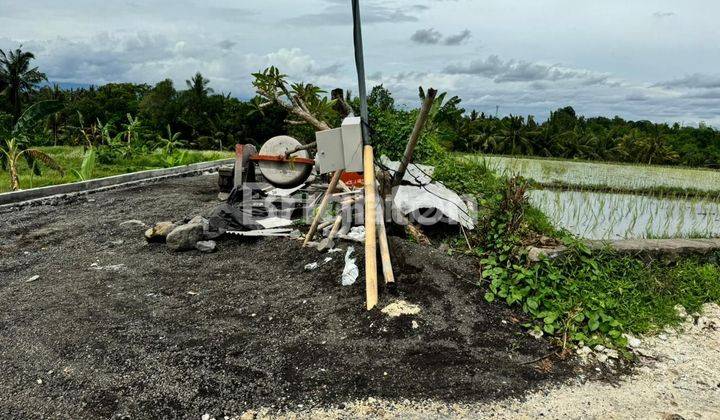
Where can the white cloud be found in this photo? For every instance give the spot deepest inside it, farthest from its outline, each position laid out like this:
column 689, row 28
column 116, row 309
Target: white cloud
column 493, row 67
column 617, row 57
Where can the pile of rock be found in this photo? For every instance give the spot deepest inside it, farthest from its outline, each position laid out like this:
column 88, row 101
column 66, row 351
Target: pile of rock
column 184, row 236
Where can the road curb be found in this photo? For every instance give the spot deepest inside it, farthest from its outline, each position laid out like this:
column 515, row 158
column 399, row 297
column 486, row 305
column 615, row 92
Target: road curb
column 651, row 249
column 101, row 184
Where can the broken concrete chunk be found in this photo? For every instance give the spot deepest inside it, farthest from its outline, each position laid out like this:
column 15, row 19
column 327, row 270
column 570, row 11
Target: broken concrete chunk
column 206, row 246
column 535, row 254
column 184, row 238
column 133, row 222
column 400, row 307
column 159, row 232
column 198, row 220
column 632, row 341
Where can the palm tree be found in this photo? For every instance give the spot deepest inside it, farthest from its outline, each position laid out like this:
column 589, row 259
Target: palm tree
column 17, row 78
column 576, row 143
column 651, row 147
column 515, row 137
column 54, row 121
column 198, row 85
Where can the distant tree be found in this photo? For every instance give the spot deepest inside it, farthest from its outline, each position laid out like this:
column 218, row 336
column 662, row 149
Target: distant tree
column 195, row 111
column 17, row 78
column 648, row 147
column 515, row 137
column 198, row 86
column 380, row 99
column 160, row 106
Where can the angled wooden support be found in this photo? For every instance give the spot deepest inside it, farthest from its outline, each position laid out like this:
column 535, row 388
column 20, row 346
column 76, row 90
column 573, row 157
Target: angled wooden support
column 323, row 205
column 328, row 242
column 384, row 247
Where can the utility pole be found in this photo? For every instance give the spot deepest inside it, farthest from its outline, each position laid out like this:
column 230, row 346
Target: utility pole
column 371, row 288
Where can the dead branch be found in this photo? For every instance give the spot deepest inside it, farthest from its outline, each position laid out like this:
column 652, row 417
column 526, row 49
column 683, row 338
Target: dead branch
column 343, row 108
column 296, row 106
column 299, row 148
column 415, row 136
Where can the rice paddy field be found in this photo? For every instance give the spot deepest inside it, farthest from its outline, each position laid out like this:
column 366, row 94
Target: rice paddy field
column 609, row 216
column 603, row 175
column 578, row 197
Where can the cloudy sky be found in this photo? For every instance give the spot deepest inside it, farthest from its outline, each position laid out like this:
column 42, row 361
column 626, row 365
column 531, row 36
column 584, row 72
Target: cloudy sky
column 649, row 59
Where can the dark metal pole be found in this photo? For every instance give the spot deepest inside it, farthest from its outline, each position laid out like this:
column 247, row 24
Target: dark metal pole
column 360, row 65
column 371, row 287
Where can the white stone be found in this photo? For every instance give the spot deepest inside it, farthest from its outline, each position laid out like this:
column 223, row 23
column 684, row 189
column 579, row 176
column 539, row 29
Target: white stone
column 400, row 307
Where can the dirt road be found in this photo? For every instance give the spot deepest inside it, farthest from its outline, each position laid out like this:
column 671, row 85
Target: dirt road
column 97, row 323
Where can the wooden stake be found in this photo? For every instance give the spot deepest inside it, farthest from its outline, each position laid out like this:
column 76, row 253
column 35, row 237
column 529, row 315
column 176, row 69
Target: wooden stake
column 323, row 205
column 328, row 242
column 384, row 248
column 414, row 136
column 371, row 288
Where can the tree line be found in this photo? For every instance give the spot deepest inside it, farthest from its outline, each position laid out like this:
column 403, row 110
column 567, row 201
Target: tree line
column 206, row 119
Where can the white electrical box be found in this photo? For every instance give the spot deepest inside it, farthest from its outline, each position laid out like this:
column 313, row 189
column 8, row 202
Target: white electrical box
column 352, row 144
column 341, row 148
column 330, row 155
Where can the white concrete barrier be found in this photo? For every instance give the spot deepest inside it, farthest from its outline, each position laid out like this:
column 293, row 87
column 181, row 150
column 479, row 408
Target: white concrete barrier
column 15, row 197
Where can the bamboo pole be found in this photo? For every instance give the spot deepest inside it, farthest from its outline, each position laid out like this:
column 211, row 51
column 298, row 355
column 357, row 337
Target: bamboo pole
column 384, row 248
column 415, row 136
column 323, row 205
column 328, row 242
column 371, row 287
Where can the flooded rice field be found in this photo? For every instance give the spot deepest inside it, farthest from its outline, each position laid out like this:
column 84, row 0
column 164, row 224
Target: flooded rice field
column 594, row 215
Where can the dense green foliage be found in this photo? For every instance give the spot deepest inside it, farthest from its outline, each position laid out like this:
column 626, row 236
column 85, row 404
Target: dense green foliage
column 566, row 135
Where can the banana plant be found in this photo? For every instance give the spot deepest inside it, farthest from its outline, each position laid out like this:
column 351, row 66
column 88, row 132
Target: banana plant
column 171, row 142
column 88, row 165
column 13, row 152
column 14, row 142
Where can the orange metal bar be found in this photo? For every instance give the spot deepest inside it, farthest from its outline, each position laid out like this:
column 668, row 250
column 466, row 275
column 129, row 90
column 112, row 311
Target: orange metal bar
column 270, row 158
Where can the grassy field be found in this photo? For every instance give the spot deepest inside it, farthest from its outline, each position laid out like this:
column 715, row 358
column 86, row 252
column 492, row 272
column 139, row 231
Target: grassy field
column 71, row 158
column 605, row 176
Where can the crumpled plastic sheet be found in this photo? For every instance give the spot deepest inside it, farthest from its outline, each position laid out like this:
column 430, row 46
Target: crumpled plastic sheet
column 410, row 198
column 350, row 272
column 415, row 174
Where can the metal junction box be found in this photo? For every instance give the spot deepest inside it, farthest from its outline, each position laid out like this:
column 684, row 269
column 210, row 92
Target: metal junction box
column 340, row 148
column 352, row 144
column 330, row 155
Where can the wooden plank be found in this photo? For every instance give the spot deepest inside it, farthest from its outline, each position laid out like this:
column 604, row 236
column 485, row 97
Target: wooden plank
column 384, row 248
column 328, row 242
column 371, row 289
column 323, row 205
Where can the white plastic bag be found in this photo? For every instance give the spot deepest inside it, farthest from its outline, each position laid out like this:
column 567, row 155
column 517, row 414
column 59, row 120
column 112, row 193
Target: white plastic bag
column 350, row 272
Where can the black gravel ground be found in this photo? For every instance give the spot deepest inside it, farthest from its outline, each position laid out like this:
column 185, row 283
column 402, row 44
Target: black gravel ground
column 150, row 333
